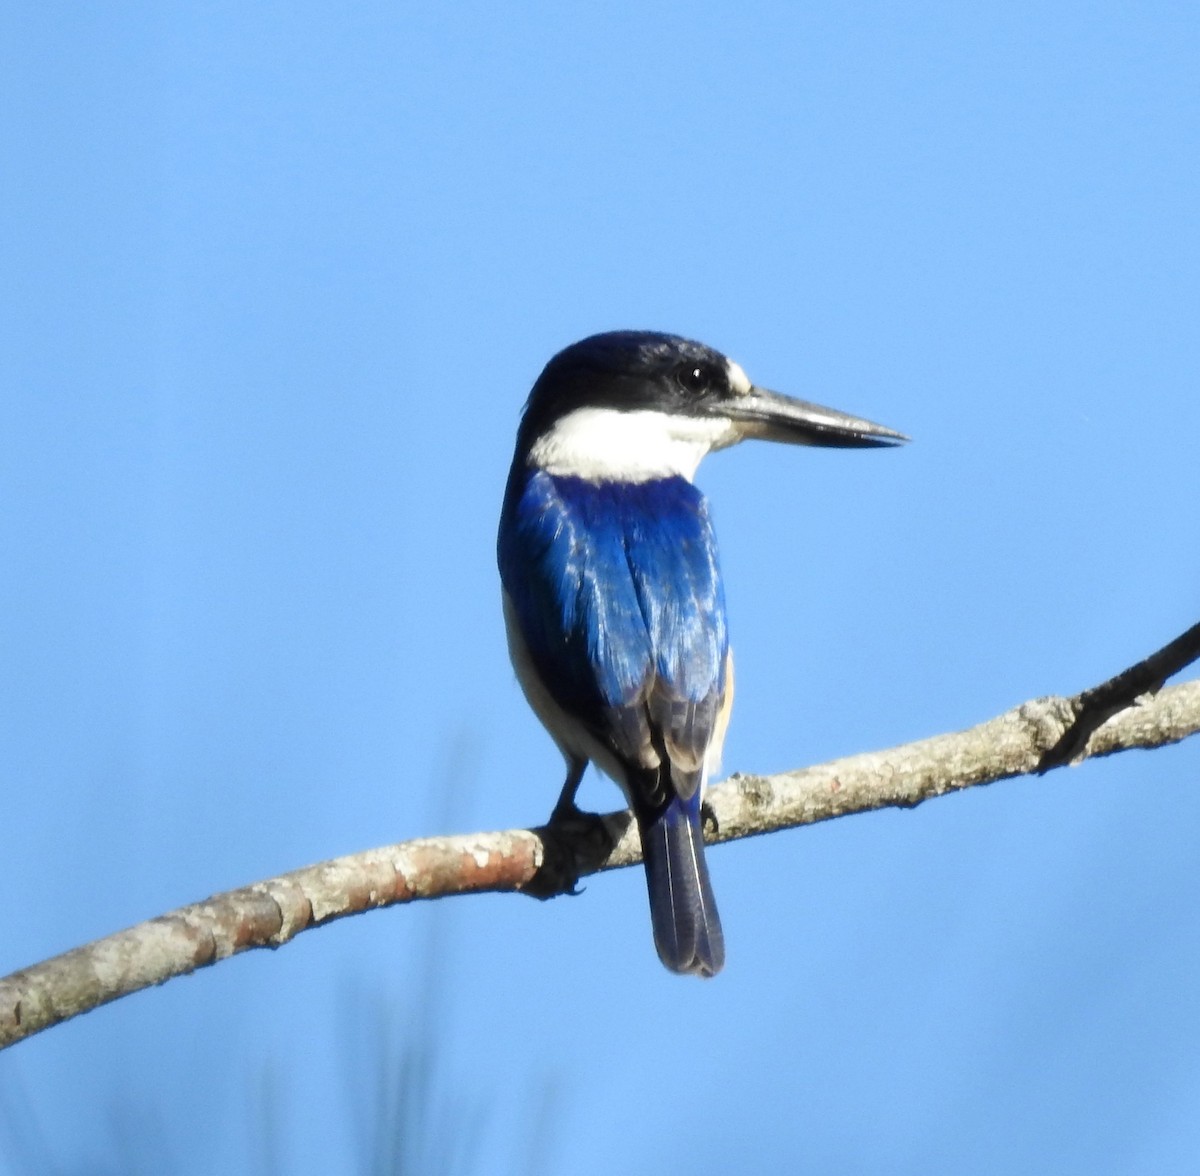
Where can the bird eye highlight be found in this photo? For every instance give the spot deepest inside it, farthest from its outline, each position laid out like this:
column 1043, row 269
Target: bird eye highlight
column 696, row 378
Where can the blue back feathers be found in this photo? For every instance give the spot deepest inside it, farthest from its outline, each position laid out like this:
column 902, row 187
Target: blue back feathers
column 617, row 590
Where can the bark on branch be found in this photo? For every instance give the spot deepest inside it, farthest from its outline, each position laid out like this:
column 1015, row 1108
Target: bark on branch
column 1038, row 735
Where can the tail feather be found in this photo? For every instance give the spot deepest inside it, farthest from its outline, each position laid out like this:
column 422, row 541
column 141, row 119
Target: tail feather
column 687, row 930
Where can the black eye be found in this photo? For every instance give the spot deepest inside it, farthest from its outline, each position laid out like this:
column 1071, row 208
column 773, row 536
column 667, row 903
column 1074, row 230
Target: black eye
column 696, row 378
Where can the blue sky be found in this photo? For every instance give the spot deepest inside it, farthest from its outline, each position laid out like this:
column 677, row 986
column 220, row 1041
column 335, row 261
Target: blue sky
column 277, row 279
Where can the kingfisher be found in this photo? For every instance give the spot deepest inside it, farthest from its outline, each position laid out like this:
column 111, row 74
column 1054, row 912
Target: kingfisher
column 612, row 592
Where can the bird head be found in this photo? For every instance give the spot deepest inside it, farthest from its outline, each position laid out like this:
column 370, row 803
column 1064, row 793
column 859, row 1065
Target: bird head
column 639, row 405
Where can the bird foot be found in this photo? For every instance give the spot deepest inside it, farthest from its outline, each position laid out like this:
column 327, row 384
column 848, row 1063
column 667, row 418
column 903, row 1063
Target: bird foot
column 574, row 843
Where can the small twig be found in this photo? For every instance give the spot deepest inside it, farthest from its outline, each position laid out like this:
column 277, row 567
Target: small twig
column 550, row 860
column 1094, row 707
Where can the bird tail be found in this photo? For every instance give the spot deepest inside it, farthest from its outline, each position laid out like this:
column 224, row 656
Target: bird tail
column 687, row 930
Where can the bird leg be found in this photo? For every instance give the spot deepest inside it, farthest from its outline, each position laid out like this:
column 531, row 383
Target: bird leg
column 566, row 809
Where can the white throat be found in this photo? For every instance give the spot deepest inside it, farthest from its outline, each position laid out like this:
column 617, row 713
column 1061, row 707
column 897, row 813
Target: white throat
column 606, row 445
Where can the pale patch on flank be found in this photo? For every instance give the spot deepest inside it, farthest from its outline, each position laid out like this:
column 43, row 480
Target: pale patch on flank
column 738, row 380
column 574, row 740
column 606, row 445
column 712, row 758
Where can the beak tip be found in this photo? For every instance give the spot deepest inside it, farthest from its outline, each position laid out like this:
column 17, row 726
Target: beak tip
column 773, row 416
column 864, row 435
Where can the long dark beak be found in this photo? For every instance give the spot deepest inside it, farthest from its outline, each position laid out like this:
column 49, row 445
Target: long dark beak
column 772, row 416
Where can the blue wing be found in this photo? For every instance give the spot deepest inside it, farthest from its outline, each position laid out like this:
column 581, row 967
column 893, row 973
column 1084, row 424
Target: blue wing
column 617, row 591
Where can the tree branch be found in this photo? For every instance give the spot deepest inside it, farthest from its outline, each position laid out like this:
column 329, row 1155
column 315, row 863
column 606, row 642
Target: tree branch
column 549, row 860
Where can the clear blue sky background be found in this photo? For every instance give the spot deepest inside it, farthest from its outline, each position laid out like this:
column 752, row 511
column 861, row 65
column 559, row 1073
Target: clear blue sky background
column 275, row 282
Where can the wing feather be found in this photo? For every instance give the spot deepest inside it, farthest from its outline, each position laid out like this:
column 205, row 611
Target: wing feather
column 618, row 594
